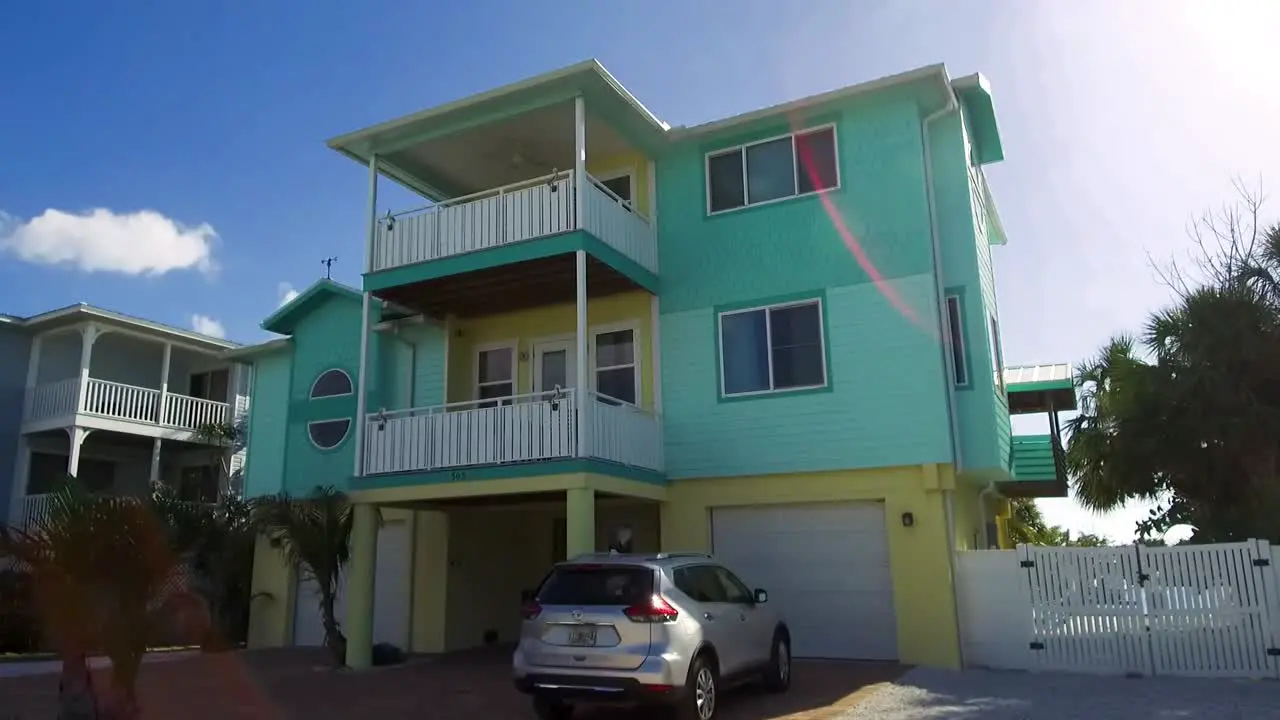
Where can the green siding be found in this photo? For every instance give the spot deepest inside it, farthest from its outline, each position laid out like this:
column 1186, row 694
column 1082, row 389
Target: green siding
column 413, row 367
column 885, row 406
column 268, row 423
column 1033, row 459
column 887, row 403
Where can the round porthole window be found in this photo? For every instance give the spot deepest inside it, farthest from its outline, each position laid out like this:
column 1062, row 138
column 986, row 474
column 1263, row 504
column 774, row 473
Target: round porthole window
column 331, row 383
column 328, row 434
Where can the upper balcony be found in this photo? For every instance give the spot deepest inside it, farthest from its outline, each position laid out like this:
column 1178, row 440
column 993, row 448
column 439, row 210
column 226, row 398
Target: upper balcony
column 517, row 180
column 105, row 375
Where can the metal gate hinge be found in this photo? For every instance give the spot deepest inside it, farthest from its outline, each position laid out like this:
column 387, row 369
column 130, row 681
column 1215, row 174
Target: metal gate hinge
column 1037, row 646
column 1027, row 563
column 1262, row 562
column 1273, row 652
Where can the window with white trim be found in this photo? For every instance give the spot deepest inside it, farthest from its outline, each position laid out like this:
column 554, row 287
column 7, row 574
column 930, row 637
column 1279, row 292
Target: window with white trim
column 331, row 383
column 955, row 324
column 792, row 165
column 766, row 349
column 495, row 374
column 617, row 375
column 328, row 434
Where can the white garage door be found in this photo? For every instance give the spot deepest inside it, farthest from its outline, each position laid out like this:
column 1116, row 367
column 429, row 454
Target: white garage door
column 827, row 568
column 391, row 594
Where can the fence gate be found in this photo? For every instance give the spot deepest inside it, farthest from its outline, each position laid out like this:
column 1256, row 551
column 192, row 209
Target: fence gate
column 1187, row 610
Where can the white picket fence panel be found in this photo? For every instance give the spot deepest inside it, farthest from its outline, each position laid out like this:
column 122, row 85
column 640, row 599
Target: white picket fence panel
column 1196, row 611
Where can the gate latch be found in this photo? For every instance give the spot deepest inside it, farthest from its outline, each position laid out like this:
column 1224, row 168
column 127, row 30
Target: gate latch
column 1027, row 563
column 1273, row 652
column 1037, row 646
column 1262, row 562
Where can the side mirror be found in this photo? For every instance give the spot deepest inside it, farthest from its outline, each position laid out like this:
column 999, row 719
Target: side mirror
column 762, row 597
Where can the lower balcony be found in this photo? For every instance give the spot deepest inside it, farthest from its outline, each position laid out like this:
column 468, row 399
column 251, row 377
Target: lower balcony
column 143, row 408
column 529, row 428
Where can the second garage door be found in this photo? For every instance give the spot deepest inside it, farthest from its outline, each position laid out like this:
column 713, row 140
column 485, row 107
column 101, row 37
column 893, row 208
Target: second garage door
column 825, row 565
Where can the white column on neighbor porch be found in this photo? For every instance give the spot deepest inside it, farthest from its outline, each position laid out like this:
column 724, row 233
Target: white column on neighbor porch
column 155, row 461
column 77, row 436
column 581, row 336
column 164, row 395
column 33, row 374
column 88, row 335
column 21, row 479
column 579, row 158
column 364, row 320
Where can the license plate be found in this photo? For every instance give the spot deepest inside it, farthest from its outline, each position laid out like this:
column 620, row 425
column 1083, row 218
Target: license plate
column 582, row 636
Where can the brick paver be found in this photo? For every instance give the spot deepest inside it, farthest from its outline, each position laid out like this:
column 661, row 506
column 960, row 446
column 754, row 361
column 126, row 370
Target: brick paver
column 271, row 684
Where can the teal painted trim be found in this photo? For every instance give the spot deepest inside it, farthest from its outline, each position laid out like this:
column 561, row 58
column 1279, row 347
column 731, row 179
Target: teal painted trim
column 284, row 320
column 544, row 247
column 981, row 114
column 502, row 472
column 284, row 466
column 958, row 292
column 762, row 303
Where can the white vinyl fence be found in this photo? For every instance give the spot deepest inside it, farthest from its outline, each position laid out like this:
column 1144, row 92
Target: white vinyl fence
column 1195, row 611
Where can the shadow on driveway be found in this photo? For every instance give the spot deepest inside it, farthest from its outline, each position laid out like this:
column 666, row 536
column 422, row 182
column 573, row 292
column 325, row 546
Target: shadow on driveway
column 928, row 694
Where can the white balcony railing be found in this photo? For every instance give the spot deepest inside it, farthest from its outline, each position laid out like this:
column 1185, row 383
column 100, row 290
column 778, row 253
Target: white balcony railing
column 35, row 507
column 516, row 429
column 527, row 210
column 118, row 401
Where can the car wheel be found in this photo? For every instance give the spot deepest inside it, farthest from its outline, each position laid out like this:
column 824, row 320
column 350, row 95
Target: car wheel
column 777, row 678
column 702, row 697
column 551, row 709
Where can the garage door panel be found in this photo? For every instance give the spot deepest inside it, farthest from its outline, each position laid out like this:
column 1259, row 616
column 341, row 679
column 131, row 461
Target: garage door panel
column 827, row 568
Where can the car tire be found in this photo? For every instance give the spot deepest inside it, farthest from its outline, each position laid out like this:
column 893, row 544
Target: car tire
column 546, row 708
column 777, row 677
column 701, row 700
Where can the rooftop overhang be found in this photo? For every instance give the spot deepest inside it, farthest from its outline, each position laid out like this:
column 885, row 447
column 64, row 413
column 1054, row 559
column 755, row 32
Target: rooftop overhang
column 284, row 320
column 1040, row 389
column 974, row 93
column 249, row 353
column 74, row 315
column 434, row 152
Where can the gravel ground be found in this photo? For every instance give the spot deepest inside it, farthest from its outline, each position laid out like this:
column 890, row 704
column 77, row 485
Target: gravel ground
column 928, row 694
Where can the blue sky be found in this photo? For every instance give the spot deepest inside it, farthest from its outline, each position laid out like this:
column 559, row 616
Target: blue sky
column 1120, row 122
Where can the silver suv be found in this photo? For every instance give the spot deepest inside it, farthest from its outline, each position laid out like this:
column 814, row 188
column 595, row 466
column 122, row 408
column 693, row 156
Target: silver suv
column 672, row 629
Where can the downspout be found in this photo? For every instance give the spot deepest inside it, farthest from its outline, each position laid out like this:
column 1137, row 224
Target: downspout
column 948, row 498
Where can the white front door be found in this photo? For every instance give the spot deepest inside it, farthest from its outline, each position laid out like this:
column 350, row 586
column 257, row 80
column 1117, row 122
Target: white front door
column 554, row 363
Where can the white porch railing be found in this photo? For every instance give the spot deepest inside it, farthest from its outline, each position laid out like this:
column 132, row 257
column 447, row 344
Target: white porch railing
column 123, row 402
column 623, row 433
column 52, row 400
column 192, row 413
column 35, row 507
column 521, row 428
column 514, row 213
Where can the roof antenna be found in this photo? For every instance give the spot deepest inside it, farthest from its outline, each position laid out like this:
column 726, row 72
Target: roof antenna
column 328, row 266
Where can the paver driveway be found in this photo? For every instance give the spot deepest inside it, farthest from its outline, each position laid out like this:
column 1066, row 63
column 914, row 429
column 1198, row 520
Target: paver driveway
column 274, row 684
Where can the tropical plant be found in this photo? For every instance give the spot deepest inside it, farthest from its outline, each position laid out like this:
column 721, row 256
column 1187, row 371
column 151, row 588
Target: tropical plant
column 1027, row 526
column 314, row 534
column 104, row 579
column 224, row 439
column 1188, row 413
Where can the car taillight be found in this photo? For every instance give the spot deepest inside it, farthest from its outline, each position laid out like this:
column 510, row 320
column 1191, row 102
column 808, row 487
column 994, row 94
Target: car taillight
column 531, row 610
column 657, row 610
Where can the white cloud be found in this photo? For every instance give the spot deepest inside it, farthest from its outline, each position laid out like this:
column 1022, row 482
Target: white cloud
column 206, row 325
column 136, row 243
column 286, row 293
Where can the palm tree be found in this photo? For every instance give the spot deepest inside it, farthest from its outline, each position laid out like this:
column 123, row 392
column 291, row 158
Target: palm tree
column 315, row 535
column 104, row 578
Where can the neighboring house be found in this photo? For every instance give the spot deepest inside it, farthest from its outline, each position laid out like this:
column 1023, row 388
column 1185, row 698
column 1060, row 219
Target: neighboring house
column 809, row 384
column 113, row 400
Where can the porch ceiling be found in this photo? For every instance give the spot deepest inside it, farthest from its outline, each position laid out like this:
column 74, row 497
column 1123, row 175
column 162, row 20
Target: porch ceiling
column 532, row 283
column 528, row 145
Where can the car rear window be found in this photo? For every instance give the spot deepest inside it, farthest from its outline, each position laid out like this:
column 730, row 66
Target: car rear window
column 597, row 585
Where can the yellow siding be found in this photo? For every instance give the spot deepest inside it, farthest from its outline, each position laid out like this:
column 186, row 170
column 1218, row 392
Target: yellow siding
column 967, row 505
column 555, row 321
column 271, row 608
column 924, row 595
column 614, row 164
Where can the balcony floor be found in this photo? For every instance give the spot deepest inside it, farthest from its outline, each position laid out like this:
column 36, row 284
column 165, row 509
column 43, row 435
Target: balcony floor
column 504, row 288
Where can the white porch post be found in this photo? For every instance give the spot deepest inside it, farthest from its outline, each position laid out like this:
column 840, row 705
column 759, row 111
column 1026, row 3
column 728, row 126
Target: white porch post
column 364, row 319
column 33, row 375
column 163, row 413
column 21, row 480
column 88, row 334
column 581, row 384
column 155, row 462
column 579, row 158
column 77, row 435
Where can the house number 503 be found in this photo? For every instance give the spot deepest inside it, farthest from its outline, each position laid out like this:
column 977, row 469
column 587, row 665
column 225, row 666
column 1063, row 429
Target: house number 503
column 459, row 475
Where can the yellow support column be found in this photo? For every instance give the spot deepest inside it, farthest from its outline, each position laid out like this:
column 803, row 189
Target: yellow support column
column 430, row 581
column 580, row 521
column 360, row 585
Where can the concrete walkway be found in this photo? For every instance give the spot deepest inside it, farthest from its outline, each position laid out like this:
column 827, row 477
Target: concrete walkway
column 928, row 694
column 44, row 667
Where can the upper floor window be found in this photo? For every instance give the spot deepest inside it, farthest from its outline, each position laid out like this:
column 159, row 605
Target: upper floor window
column 789, row 166
column 617, row 373
column 331, row 383
column 955, row 325
column 495, row 374
column 766, row 349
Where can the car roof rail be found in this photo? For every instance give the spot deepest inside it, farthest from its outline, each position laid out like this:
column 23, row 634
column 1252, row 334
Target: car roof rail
column 674, row 555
